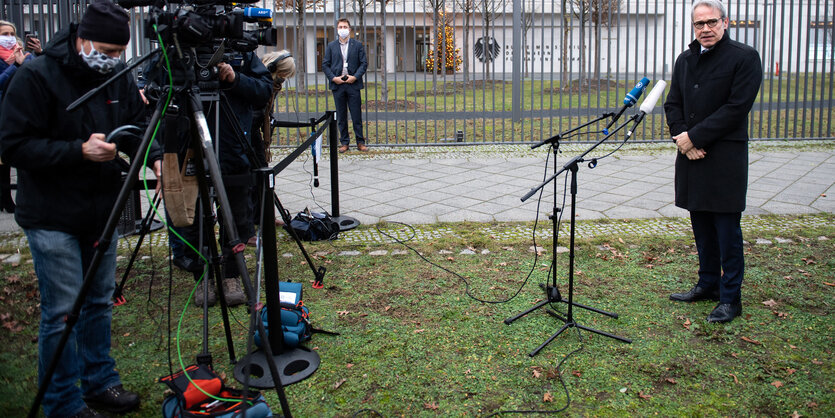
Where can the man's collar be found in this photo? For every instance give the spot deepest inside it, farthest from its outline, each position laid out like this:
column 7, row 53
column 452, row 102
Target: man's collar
column 347, row 40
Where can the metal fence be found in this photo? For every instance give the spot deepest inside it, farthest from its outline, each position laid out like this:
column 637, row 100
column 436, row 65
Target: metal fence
column 576, row 60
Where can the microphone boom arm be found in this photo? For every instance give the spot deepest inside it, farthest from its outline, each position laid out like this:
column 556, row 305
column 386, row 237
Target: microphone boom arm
column 578, row 159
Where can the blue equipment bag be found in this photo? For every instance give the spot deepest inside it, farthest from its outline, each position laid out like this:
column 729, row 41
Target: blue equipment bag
column 294, row 316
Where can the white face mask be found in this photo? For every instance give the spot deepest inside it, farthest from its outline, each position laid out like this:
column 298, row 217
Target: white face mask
column 98, row 61
column 8, row 41
column 343, row 33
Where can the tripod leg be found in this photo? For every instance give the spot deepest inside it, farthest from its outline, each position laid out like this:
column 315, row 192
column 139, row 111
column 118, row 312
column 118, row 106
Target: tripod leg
column 510, row 320
column 548, row 341
column 600, row 311
column 318, row 275
column 144, row 229
column 605, row 334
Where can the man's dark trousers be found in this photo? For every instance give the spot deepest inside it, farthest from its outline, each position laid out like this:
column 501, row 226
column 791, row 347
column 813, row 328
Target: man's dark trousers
column 721, row 259
column 348, row 98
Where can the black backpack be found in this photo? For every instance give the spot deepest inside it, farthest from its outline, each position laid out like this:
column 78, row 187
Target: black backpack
column 314, row 226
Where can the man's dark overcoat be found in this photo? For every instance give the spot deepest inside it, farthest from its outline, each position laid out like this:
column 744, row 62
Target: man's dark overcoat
column 710, row 97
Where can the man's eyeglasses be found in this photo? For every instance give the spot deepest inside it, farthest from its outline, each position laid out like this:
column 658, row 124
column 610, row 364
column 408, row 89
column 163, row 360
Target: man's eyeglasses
column 711, row 23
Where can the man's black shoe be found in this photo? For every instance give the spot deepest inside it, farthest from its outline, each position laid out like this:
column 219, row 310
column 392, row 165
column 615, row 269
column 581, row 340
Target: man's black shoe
column 188, row 264
column 115, row 399
column 725, row 312
column 696, row 294
column 88, row 413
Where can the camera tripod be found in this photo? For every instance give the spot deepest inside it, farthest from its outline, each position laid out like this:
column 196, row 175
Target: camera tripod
column 552, row 293
column 207, row 168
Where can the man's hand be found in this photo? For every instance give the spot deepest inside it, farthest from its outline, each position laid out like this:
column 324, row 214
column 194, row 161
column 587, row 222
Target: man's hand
column 351, row 79
column 34, row 45
column 142, row 94
column 158, row 173
column 695, row 154
column 96, row 150
column 337, row 80
column 683, row 142
column 226, row 73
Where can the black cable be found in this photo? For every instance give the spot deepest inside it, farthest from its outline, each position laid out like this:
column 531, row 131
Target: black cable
column 366, row 410
column 562, row 382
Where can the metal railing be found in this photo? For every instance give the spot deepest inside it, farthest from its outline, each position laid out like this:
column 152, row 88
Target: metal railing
column 576, row 60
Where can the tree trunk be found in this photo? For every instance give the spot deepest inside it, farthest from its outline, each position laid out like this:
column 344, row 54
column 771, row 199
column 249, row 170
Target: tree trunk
column 301, row 79
column 466, row 47
column 384, row 87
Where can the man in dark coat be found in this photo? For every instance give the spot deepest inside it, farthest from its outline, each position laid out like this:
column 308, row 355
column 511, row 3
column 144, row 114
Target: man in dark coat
column 68, row 184
column 714, row 84
column 344, row 65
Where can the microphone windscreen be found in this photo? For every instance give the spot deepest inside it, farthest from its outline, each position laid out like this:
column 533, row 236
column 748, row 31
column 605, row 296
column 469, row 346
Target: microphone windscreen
column 653, row 96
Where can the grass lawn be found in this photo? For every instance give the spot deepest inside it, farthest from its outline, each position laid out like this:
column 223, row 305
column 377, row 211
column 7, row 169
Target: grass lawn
column 414, row 343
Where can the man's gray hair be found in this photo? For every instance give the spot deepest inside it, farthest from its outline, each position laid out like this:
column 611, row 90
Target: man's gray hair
column 713, row 4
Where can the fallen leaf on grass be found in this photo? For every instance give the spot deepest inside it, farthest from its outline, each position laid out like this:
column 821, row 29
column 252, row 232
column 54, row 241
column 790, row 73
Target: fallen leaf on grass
column 793, row 347
column 671, row 381
column 547, row 397
column 14, row 279
column 796, row 415
column 450, row 258
column 577, row 373
column 816, row 362
column 643, row 396
column 417, row 331
column 791, row 371
column 748, row 340
column 537, row 371
column 431, row 405
column 387, row 308
column 339, row 383
column 812, row 404
column 734, row 355
column 770, row 303
column 809, row 261
column 734, row 376
column 777, row 384
column 781, row 315
column 687, row 323
column 343, row 313
column 829, row 284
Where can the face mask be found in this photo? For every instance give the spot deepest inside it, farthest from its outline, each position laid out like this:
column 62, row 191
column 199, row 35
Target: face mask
column 343, row 33
column 8, row 41
column 98, row 61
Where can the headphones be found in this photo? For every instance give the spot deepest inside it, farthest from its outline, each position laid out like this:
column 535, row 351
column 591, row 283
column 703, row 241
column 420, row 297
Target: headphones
column 274, row 64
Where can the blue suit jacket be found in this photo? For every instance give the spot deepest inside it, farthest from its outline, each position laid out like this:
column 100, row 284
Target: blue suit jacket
column 357, row 62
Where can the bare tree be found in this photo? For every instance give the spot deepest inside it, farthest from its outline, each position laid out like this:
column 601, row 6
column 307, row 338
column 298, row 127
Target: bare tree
column 299, row 7
column 528, row 10
column 490, row 11
column 600, row 13
column 468, row 7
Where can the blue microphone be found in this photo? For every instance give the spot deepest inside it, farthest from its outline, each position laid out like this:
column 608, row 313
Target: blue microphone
column 630, row 99
column 636, row 92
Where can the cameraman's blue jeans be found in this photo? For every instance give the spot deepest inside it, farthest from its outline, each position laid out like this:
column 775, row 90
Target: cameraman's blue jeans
column 60, row 260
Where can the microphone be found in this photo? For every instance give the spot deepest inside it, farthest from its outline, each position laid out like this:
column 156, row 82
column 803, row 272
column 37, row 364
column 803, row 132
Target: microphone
column 648, row 104
column 628, row 101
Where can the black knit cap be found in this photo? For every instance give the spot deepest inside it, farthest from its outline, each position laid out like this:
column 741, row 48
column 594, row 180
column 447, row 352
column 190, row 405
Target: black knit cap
column 105, row 22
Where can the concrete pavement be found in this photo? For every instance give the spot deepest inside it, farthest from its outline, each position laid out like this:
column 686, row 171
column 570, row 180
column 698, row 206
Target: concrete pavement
column 484, row 183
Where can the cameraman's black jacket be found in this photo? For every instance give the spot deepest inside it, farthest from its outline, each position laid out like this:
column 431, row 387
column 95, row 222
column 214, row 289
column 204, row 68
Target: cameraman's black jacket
column 249, row 93
column 57, row 188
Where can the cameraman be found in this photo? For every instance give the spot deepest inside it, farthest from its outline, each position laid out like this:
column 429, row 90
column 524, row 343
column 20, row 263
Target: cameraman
column 246, row 87
column 69, row 180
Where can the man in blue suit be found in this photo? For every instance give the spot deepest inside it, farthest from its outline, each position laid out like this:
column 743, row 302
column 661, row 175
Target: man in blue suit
column 344, row 65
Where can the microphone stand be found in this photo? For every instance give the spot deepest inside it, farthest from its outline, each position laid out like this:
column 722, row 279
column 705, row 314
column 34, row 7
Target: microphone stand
column 556, row 138
column 551, row 292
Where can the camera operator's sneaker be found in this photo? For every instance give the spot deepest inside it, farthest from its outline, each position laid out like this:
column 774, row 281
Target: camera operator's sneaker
column 198, row 295
column 233, row 292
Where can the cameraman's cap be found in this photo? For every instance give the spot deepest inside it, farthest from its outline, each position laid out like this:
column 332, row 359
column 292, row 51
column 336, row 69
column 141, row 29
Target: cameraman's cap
column 105, row 22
